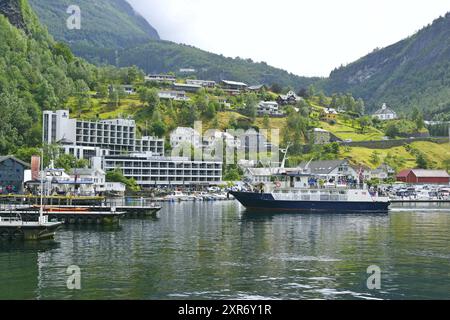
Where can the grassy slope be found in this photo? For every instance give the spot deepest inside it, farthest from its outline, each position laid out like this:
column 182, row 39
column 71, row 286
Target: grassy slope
column 358, row 155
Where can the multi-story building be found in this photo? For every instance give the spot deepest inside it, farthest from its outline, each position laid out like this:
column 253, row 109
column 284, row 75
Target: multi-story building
column 85, row 139
column 150, row 171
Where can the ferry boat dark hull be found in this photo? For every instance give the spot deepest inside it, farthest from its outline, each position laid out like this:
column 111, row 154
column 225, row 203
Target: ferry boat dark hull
column 265, row 201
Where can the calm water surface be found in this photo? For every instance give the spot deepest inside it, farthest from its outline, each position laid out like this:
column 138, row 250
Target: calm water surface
column 218, row 251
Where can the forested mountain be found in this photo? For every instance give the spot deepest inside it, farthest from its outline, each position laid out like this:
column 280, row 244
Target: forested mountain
column 414, row 72
column 36, row 73
column 113, row 33
column 105, row 23
column 160, row 56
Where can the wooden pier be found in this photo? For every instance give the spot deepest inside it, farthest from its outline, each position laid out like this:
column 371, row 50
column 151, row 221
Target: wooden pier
column 51, row 200
column 69, row 217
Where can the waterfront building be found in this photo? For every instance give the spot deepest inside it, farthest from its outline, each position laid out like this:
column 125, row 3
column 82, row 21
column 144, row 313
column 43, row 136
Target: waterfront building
column 329, row 169
column 385, row 113
column 150, row 171
column 86, row 139
column 259, row 175
column 382, row 172
column 95, row 176
column 422, row 176
column 12, row 174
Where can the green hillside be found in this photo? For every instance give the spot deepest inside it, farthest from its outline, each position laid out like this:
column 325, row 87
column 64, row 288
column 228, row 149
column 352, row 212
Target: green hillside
column 112, row 33
column 414, row 72
column 162, row 56
column 105, row 23
column 37, row 73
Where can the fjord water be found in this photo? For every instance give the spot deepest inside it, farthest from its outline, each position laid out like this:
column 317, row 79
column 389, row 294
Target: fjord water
column 218, row 251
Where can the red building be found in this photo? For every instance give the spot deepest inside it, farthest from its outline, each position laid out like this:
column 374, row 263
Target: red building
column 422, row 176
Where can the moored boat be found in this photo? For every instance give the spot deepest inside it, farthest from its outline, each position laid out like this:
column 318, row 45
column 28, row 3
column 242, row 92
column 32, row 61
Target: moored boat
column 323, row 200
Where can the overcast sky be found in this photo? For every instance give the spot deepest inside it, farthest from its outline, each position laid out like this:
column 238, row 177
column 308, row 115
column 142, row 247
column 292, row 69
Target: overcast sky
column 306, row 37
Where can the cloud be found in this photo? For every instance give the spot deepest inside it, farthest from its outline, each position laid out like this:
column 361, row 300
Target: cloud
column 304, row 37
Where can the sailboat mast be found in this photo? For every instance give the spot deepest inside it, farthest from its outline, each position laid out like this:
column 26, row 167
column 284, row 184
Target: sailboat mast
column 41, row 210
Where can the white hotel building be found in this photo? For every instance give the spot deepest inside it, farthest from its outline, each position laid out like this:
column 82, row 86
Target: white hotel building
column 86, row 139
column 150, row 171
column 112, row 144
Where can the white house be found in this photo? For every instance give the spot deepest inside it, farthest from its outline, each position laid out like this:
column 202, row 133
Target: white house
column 95, row 177
column 129, row 89
column 173, row 95
column 213, row 136
column 385, row 113
column 269, row 108
column 115, row 187
column 183, row 135
column 382, row 172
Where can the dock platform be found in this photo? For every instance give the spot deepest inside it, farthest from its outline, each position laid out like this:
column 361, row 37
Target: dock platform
column 13, row 229
column 69, row 217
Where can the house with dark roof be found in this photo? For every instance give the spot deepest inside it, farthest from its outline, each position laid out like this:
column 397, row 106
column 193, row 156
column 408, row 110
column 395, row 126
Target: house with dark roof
column 422, row 176
column 12, row 173
column 233, row 87
column 289, row 98
column 385, row 113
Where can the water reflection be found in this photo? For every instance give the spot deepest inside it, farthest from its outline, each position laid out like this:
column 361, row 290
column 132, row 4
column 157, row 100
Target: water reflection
column 220, row 251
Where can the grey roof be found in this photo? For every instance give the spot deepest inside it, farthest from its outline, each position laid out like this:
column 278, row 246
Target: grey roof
column 234, row 83
column 263, row 171
column 323, row 166
column 258, row 87
column 85, row 171
column 385, row 110
column 65, row 141
column 3, row 158
column 422, row 173
column 187, row 85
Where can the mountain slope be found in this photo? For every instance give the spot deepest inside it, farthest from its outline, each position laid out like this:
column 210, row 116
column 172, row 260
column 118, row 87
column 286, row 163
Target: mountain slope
column 412, row 72
column 107, row 23
column 163, row 56
column 35, row 73
column 113, row 36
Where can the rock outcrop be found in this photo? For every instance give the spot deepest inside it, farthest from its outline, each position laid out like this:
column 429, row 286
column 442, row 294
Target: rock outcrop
column 13, row 11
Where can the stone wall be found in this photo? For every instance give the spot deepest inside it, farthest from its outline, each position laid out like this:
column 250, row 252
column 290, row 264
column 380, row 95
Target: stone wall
column 387, row 144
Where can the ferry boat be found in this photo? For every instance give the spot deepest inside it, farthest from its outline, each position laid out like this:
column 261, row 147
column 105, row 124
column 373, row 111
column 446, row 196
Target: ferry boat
column 324, row 200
